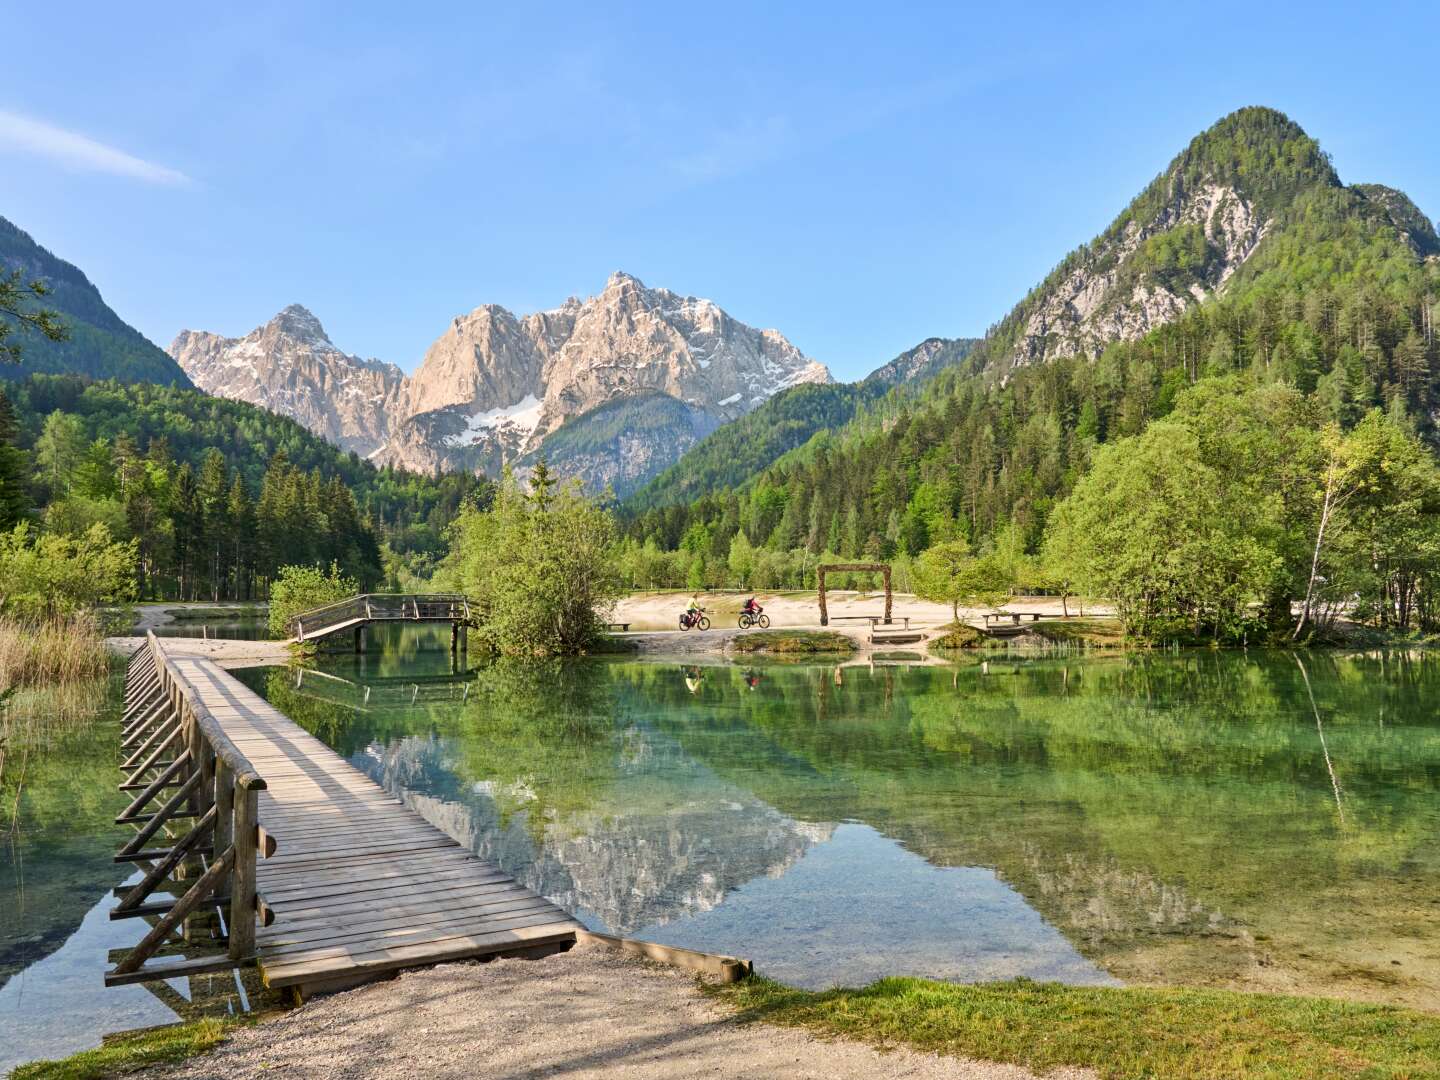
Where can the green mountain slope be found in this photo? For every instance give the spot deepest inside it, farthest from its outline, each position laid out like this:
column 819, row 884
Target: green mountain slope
column 1246, row 254
column 621, row 444
column 741, row 449
column 101, row 345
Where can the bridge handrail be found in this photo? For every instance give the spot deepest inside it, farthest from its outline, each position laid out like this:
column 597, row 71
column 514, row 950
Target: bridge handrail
column 214, row 784
column 365, row 604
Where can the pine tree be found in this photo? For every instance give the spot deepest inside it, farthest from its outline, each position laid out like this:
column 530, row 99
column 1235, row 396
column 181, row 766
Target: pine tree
column 240, row 513
column 58, row 451
column 213, row 491
column 14, row 469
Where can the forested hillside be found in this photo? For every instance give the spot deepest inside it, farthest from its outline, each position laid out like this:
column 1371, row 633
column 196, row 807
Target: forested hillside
column 98, row 343
column 740, row 450
column 217, row 494
column 1338, row 299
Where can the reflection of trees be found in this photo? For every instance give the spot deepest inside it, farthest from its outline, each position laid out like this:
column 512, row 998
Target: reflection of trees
column 56, row 853
column 1130, row 798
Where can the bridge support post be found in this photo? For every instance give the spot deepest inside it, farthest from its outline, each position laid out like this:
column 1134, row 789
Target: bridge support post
column 360, row 639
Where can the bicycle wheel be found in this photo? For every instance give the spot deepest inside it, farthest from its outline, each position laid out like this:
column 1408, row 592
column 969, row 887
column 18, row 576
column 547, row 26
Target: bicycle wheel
column 744, row 622
column 704, row 623
column 684, row 625
column 764, row 622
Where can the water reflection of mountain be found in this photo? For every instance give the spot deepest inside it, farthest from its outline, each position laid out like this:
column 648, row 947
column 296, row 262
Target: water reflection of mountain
column 1177, row 818
column 667, row 842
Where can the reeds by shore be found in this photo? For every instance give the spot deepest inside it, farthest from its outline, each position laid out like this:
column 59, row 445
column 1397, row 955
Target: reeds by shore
column 51, row 652
column 51, row 679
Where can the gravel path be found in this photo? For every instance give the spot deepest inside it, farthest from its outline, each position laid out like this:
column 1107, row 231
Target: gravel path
column 585, row 1013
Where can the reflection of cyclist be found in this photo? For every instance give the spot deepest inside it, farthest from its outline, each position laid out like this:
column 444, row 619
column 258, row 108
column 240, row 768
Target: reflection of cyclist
column 694, row 679
column 752, row 679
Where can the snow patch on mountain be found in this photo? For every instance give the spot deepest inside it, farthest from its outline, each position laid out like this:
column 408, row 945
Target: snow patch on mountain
column 517, row 419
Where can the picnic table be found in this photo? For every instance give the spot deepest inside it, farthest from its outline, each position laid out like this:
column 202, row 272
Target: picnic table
column 873, row 620
column 1012, row 617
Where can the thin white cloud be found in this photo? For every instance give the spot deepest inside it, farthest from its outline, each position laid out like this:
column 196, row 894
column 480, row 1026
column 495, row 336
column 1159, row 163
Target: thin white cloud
column 79, row 151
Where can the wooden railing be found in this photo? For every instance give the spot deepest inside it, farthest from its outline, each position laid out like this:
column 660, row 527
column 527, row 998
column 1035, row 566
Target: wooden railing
column 380, row 607
column 175, row 752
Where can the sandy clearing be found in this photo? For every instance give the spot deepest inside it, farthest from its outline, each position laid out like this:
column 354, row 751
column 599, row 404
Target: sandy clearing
column 227, row 652
column 661, row 611
column 585, row 1013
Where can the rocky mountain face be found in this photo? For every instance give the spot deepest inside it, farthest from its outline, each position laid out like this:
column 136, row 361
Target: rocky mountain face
column 494, row 386
column 290, row 367
column 623, row 443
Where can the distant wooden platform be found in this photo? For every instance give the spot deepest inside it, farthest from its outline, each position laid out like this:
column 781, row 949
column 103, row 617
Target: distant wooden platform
column 360, row 885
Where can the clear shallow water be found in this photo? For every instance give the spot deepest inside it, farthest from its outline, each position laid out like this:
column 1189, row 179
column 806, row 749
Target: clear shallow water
column 1221, row 819
column 58, row 800
column 257, row 629
column 1189, row 819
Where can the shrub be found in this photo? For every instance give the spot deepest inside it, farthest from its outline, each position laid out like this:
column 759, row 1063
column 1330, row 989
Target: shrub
column 541, row 565
column 44, row 575
column 301, row 588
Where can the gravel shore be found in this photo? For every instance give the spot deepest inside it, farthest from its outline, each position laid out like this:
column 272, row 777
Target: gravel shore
column 586, row 1013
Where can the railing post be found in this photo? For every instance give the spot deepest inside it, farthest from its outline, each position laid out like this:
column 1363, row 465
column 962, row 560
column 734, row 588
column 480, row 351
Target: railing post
column 242, row 881
column 224, row 806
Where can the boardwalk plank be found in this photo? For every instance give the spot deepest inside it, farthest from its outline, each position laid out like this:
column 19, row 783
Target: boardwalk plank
column 361, row 884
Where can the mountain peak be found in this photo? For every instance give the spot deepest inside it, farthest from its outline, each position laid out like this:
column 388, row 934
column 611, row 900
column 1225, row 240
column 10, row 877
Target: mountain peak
column 298, row 321
column 1257, row 151
column 620, row 280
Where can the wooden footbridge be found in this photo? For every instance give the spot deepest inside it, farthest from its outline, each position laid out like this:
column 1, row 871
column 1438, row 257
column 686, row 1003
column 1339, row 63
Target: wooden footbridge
column 359, row 613
column 274, row 851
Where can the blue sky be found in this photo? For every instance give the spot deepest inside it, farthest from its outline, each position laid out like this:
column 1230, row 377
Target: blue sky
column 859, row 177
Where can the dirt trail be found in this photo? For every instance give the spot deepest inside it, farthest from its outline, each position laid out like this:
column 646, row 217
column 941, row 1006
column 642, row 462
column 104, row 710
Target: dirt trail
column 586, row 1013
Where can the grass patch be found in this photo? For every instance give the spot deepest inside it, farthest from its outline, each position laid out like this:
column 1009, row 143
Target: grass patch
column 1096, row 633
column 794, row 643
column 131, row 1052
column 1123, row 1034
column 959, row 635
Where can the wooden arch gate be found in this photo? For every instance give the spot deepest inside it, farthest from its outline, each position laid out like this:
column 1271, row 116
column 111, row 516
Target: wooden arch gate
column 841, row 568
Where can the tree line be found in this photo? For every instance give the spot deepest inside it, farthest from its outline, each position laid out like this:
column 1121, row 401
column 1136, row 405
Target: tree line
column 181, row 477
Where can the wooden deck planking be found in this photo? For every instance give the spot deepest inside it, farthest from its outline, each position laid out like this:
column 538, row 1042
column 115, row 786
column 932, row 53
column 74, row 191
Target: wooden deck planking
column 360, row 883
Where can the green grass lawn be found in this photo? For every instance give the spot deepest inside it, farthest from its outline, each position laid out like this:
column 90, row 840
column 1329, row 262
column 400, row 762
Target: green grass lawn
column 1127, row 1034
column 794, row 643
column 123, row 1054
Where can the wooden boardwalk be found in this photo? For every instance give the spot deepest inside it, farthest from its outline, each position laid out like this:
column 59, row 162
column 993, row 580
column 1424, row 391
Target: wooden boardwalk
column 359, row 884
